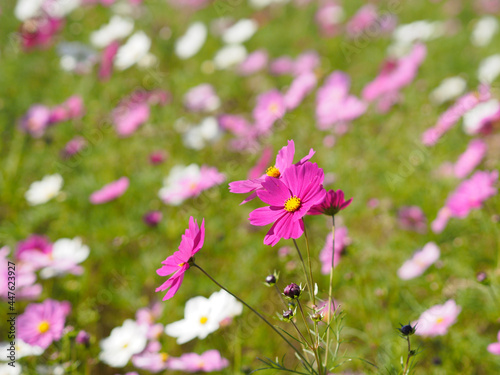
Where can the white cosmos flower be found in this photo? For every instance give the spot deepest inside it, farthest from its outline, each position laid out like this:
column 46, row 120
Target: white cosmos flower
column 450, row 88
column 66, row 255
column 133, row 51
column 240, row 32
column 473, row 119
column 489, row 69
column 179, row 178
column 117, row 28
column 203, row 316
column 207, row 131
column 484, row 31
column 264, row 3
column 44, row 190
column 60, row 8
column 405, row 35
column 5, row 369
column 229, row 55
column 191, row 42
column 123, row 343
column 22, row 350
column 26, row 9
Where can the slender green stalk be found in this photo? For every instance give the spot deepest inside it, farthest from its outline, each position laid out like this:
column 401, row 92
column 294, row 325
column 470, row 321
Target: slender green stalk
column 330, row 291
column 315, row 349
column 310, row 267
column 410, row 353
column 309, row 286
column 256, row 313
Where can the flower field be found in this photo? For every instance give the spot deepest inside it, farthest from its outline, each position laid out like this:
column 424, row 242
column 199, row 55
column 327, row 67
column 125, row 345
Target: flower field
column 250, row 186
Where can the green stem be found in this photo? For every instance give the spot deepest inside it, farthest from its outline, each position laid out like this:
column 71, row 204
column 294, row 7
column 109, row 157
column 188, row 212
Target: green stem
column 310, row 267
column 311, row 291
column 256, row 313
column 330, row 291
column 315, row 349
column 409, row 356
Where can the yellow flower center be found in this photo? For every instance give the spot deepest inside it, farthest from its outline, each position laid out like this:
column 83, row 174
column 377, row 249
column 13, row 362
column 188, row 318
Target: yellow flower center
column 203, row 320
column 273, row 108
column 439, row 320
column 43, row 326
column 164, row 357
column 273, row 172
column 292, row 204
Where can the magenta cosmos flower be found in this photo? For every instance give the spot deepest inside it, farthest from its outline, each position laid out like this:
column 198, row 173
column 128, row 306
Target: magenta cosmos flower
column 290, row 198
column 284, row 159
column 494, row 348
column 43, row 323
column 470, row 159
column 178, row 263
column 332, row 203
column 436, row 320
column 110, row 191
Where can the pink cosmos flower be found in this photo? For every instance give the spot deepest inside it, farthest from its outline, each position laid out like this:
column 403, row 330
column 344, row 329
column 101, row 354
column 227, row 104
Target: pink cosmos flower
column 412, row 218
column 394, row 75
column 451, row 116
column 306, row 63
column 334, row 105
column 209, row 361
column 341, row 242
column 73, row 147
column 26, row 289
column 43, row 323
column 289, row 199
column 33, row 243
column 469, row 195
column 333, row 203
column 362, row 20
column 107, row 57
column 188, row 182
column 201, row 98
column 246, row 134
column 420, row 261
column 281, row 66
column 40, row 32
column 157, row 157
column 261, row 165
column 110, row 191
column 269, row 108
column 178, row 263
column 299, row 89
column 36, row 120
column 151, row 359
column 470, row 159
column 284, row 159
column 254, row 62
column 436, row 320
column 329, row 17
column 72, row 108
column 494, row 348
column 152, row 218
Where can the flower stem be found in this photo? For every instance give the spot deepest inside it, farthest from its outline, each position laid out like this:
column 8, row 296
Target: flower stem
column 310, row 267
column 259, row 315
column 315, row 348
column 309, row 286
column 330, row 291
column 409, row 356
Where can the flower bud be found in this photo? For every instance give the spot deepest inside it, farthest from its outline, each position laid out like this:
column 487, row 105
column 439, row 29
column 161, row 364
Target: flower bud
column 407, row 330
column 317, row 317
column 292, row 291
column 271, row 280
column 82, row 338
column 287, row 315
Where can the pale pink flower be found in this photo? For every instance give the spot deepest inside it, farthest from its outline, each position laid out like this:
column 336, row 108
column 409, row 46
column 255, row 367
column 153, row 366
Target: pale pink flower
column 470, row 159
column 72, row 108
column 270, row 107
column 469, row 195
column 494, row 348
column 25, row 287
column 281, row 66
column 334, row 105
column 201, row 98
column 43, row 323
column 420, row 261
column 306, row 63
column 329, row 18
column 301, row 86
column 362, row 20
column 394, row 75
column 110, row 191
column 36, row 120
column 209, row 361
column 341, row 242
column 436, row 320
column 74, row 146
column 246, row 134
column 254, row 62
column 412, row 218
column 151, row 359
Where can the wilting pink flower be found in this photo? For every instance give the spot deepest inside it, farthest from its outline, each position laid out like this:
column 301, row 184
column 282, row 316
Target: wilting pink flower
column 110, row 191
column 394, row 75
column 254, row 62
column 289, row 199
column 74, row 146
column 469, row 195
column 470, row 159
column 299, row 89
column 188, row 182
column 269, row 108
column 33, row 243
column 178, row 263
column 332, row 203
column 43, row 323
column 334, row 105
column 152, row 218
column 39, row 32
column 494, row 348
column 451, row 116
column 36, row 120
column 412, row 218
column 107, row 57
column 209, row 361
column 282, row 65
column 341, row 242
column 329, row 17
column 436, row 320
column 25, row 288
column 201, row 98
column 420, row 261
column 284, row 159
